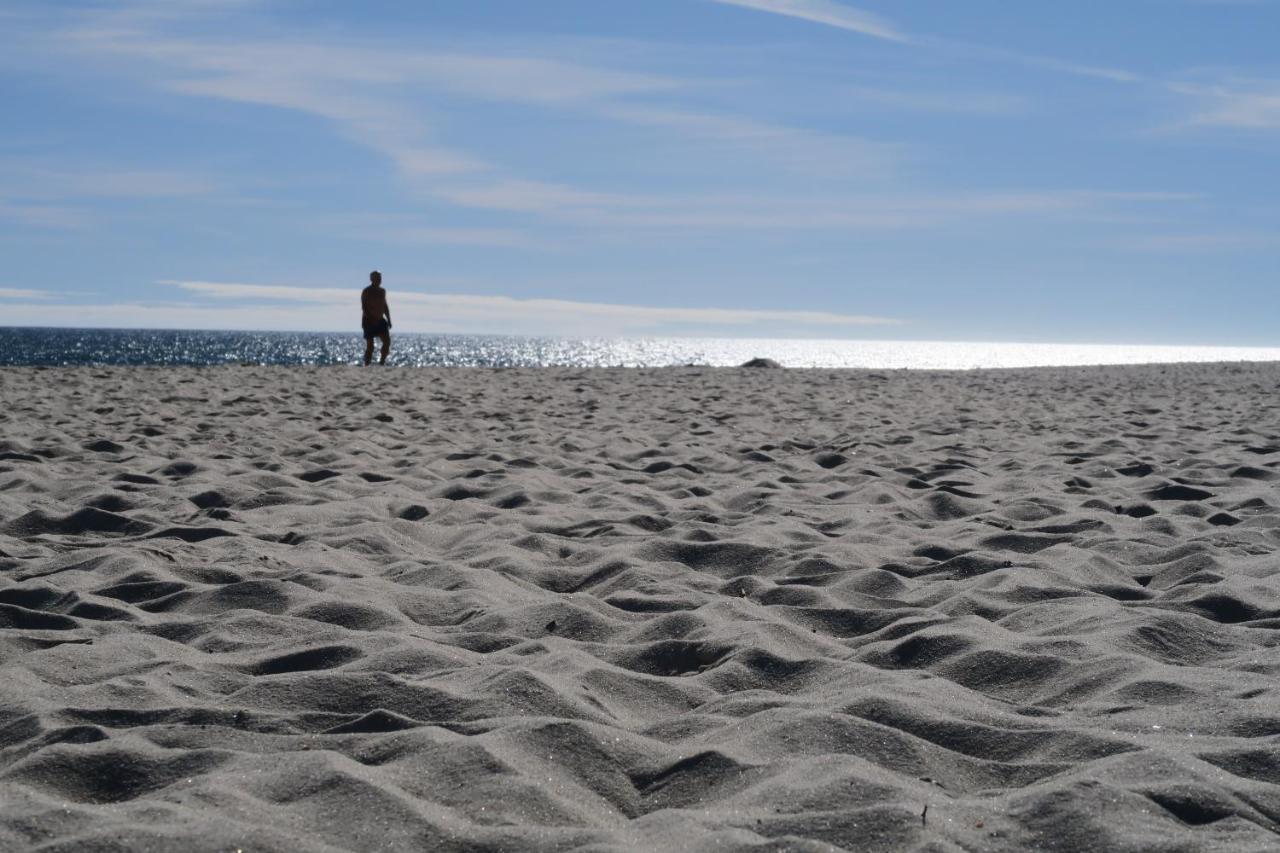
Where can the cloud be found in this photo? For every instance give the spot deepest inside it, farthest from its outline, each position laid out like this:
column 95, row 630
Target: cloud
column 22, row 293
column 374, row 121
column 416, row 229
column 805, row 150
column 849, row 212
column 968, row 103
column 1203, row 242
column 42, row 215
column 375, row 95
column 136, row 184
column 32, row 180
column 531, row 80
column 371, row 93
column 508, row 238
column 1243, row 104
column 383, row 95
column 1097, row 72
column 291, row 307
column 825, row 12
column 865, row 23
column 538, row 197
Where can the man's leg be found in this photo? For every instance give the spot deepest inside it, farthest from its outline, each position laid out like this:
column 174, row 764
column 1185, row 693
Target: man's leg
column 386, row 346
column 368, row 351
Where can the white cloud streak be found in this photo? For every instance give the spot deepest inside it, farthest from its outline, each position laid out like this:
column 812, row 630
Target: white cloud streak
column 825, row 12
column 293, row 307
column 137, row 183
column 1202, row 242
column 800, row 150
column 369, row 93
column 374, row 121
column 374, row 95
column 32, row 180
column 36, row 215
column 508, row 238
column 850, row 212
column 1076, row 69
column 22, row 293
column 962, row 102
column 1242, row 104
column 538, row 197
column 833, row 14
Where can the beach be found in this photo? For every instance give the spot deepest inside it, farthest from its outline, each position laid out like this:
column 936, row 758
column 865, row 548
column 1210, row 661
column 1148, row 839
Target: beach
column 677, row 609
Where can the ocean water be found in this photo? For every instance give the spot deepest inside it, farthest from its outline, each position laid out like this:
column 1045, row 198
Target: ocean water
column 47, row 347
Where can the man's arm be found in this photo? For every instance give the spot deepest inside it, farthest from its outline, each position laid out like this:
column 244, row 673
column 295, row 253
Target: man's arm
column 386, row 309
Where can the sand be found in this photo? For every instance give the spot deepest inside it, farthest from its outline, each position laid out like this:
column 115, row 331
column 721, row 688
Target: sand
column 603, row 610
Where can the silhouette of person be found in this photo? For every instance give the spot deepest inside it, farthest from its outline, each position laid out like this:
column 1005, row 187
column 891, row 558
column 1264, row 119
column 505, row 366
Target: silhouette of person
column 376, row 318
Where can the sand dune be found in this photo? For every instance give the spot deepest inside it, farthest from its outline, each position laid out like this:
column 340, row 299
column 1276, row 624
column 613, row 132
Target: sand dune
column 606, row 610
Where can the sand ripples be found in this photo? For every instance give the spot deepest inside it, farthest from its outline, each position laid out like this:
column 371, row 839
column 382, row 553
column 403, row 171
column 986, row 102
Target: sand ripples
column 679, row 609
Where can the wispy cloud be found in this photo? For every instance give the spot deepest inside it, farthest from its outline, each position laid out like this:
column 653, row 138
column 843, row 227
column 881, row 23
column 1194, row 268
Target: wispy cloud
column 833, row 14
column 372, row 119
column 794, row 148
column 36, row 181
column 530, row 80
column 35, row 215
column 849, row 212
column 371, row 93
column 1076, row 69
column 469, row 315
column 1236, row 103
column 230, row 305
column 22, row 293
column 508, row 238
column 539, row 197
column 1189, row 242
column 826, row 12
column 136, row 183
column 324, row 307
column 960, row 102
column 62, row 199
column 374, row 95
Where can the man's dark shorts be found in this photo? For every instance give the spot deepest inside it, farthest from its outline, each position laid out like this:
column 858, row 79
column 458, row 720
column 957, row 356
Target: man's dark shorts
column 376, row 330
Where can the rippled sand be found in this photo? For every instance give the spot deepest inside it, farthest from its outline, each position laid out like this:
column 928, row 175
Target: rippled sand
column 679, row 609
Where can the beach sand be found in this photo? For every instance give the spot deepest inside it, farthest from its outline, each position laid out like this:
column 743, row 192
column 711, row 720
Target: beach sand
column 686, row 609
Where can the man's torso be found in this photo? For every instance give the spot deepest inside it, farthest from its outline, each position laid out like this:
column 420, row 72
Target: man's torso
column 373, row 304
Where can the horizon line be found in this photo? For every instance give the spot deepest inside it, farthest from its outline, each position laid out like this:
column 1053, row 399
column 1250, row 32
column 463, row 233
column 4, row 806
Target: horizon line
column 633, row 337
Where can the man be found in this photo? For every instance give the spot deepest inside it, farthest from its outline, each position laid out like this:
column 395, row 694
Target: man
column 376, row 317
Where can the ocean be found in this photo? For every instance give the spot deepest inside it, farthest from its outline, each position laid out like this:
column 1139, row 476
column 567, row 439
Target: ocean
column 49, row 347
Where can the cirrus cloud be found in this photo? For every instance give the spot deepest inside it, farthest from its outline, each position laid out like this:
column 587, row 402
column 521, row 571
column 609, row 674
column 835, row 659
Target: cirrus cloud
column 825, row 12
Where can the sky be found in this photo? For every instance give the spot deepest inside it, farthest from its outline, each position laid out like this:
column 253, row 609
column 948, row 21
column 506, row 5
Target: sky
column 1094, row 171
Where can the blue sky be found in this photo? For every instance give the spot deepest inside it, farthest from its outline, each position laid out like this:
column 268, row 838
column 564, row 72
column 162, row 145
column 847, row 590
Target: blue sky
column 978, row 170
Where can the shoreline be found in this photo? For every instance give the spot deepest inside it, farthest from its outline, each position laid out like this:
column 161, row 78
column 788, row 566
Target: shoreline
column 177, row 348
column 550, row 368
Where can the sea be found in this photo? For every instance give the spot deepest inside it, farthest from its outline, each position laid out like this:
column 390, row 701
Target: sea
column 26, row 346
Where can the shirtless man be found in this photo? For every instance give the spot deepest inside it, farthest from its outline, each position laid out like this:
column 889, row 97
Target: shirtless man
column 376, row 317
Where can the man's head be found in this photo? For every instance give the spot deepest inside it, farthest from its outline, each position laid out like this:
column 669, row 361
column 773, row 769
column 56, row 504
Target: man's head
column 375, row 278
